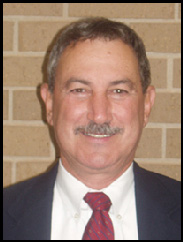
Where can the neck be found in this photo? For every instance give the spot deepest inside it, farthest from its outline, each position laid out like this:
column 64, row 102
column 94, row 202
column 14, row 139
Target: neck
column 96, row 178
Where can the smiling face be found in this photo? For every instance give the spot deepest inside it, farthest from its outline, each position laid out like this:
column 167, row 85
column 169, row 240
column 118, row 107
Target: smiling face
column 98, row 109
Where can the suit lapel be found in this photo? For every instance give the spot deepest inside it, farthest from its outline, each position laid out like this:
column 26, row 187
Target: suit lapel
column 35, row 220
column 154, row 206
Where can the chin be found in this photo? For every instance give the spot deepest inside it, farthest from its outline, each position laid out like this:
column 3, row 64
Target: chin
column 98, row 162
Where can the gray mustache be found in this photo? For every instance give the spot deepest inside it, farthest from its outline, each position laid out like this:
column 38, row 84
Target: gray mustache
column 98, row 129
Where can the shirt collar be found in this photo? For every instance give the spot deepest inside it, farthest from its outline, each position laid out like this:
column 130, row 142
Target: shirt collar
column 72, row 190
column 121, row 191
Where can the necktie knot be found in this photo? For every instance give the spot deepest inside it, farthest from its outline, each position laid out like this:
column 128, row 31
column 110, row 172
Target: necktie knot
column 100, row 226
column 98, row 201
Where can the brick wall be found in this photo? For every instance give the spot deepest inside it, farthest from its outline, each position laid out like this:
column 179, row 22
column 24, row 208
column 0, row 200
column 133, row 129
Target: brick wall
column 27, row 33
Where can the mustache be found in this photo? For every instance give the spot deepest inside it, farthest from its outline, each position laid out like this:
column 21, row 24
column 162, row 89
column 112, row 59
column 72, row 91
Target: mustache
column 98, row 129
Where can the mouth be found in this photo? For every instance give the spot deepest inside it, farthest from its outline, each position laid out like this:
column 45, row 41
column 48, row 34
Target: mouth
column 99, row 136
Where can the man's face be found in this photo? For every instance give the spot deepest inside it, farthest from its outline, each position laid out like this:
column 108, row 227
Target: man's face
column 98, row 84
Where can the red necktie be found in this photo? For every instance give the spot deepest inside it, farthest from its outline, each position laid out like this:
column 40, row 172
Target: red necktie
column 99, row 227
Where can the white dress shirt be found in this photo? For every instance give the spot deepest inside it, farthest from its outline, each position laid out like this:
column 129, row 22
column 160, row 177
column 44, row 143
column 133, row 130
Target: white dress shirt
column 70, row 213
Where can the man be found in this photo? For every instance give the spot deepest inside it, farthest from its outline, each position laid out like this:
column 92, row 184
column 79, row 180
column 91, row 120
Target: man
column 98, row 99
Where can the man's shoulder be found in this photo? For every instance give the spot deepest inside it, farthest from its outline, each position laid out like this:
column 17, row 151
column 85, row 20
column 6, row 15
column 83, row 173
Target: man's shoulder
column 25, row 204
column 30, row 186
column 154, row 175
column 158, row 200
column 10, row 193
column 156, row 181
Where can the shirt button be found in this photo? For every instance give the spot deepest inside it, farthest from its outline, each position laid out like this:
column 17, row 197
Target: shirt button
column 76, row 215
column 119, row 217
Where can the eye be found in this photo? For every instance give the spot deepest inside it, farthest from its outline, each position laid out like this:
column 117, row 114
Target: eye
column 120, row 91
column 78, row 90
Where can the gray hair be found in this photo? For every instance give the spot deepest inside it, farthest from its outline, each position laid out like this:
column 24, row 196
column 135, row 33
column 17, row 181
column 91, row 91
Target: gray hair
column 93, row 28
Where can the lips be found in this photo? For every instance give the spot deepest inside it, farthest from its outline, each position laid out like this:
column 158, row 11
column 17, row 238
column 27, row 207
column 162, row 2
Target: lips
column 98, row 135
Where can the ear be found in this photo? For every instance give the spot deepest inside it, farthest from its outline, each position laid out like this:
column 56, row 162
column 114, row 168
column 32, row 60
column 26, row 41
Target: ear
column 47, row 98
column 149, row 102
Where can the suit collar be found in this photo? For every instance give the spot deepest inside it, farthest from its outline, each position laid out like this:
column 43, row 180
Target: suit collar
column 155, row 207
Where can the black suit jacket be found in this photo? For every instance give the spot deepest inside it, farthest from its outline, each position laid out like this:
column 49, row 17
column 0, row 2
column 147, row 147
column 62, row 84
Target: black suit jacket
column 27, row 207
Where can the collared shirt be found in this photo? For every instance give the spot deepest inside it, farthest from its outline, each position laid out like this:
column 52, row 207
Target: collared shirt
column 70, row 213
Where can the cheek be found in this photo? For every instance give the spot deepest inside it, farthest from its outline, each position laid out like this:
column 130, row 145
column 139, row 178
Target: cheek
column 68, row 114
column 129, row 114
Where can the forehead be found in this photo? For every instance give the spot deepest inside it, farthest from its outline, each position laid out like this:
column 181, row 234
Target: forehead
column 99, row 48
column 99, row 58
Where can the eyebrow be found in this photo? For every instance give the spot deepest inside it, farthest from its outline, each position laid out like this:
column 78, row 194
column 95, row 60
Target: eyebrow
column 131, row 84
column 72, row 80
column 127, row 81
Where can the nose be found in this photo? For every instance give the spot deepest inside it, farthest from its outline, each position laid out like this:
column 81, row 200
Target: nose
column 99, row 109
